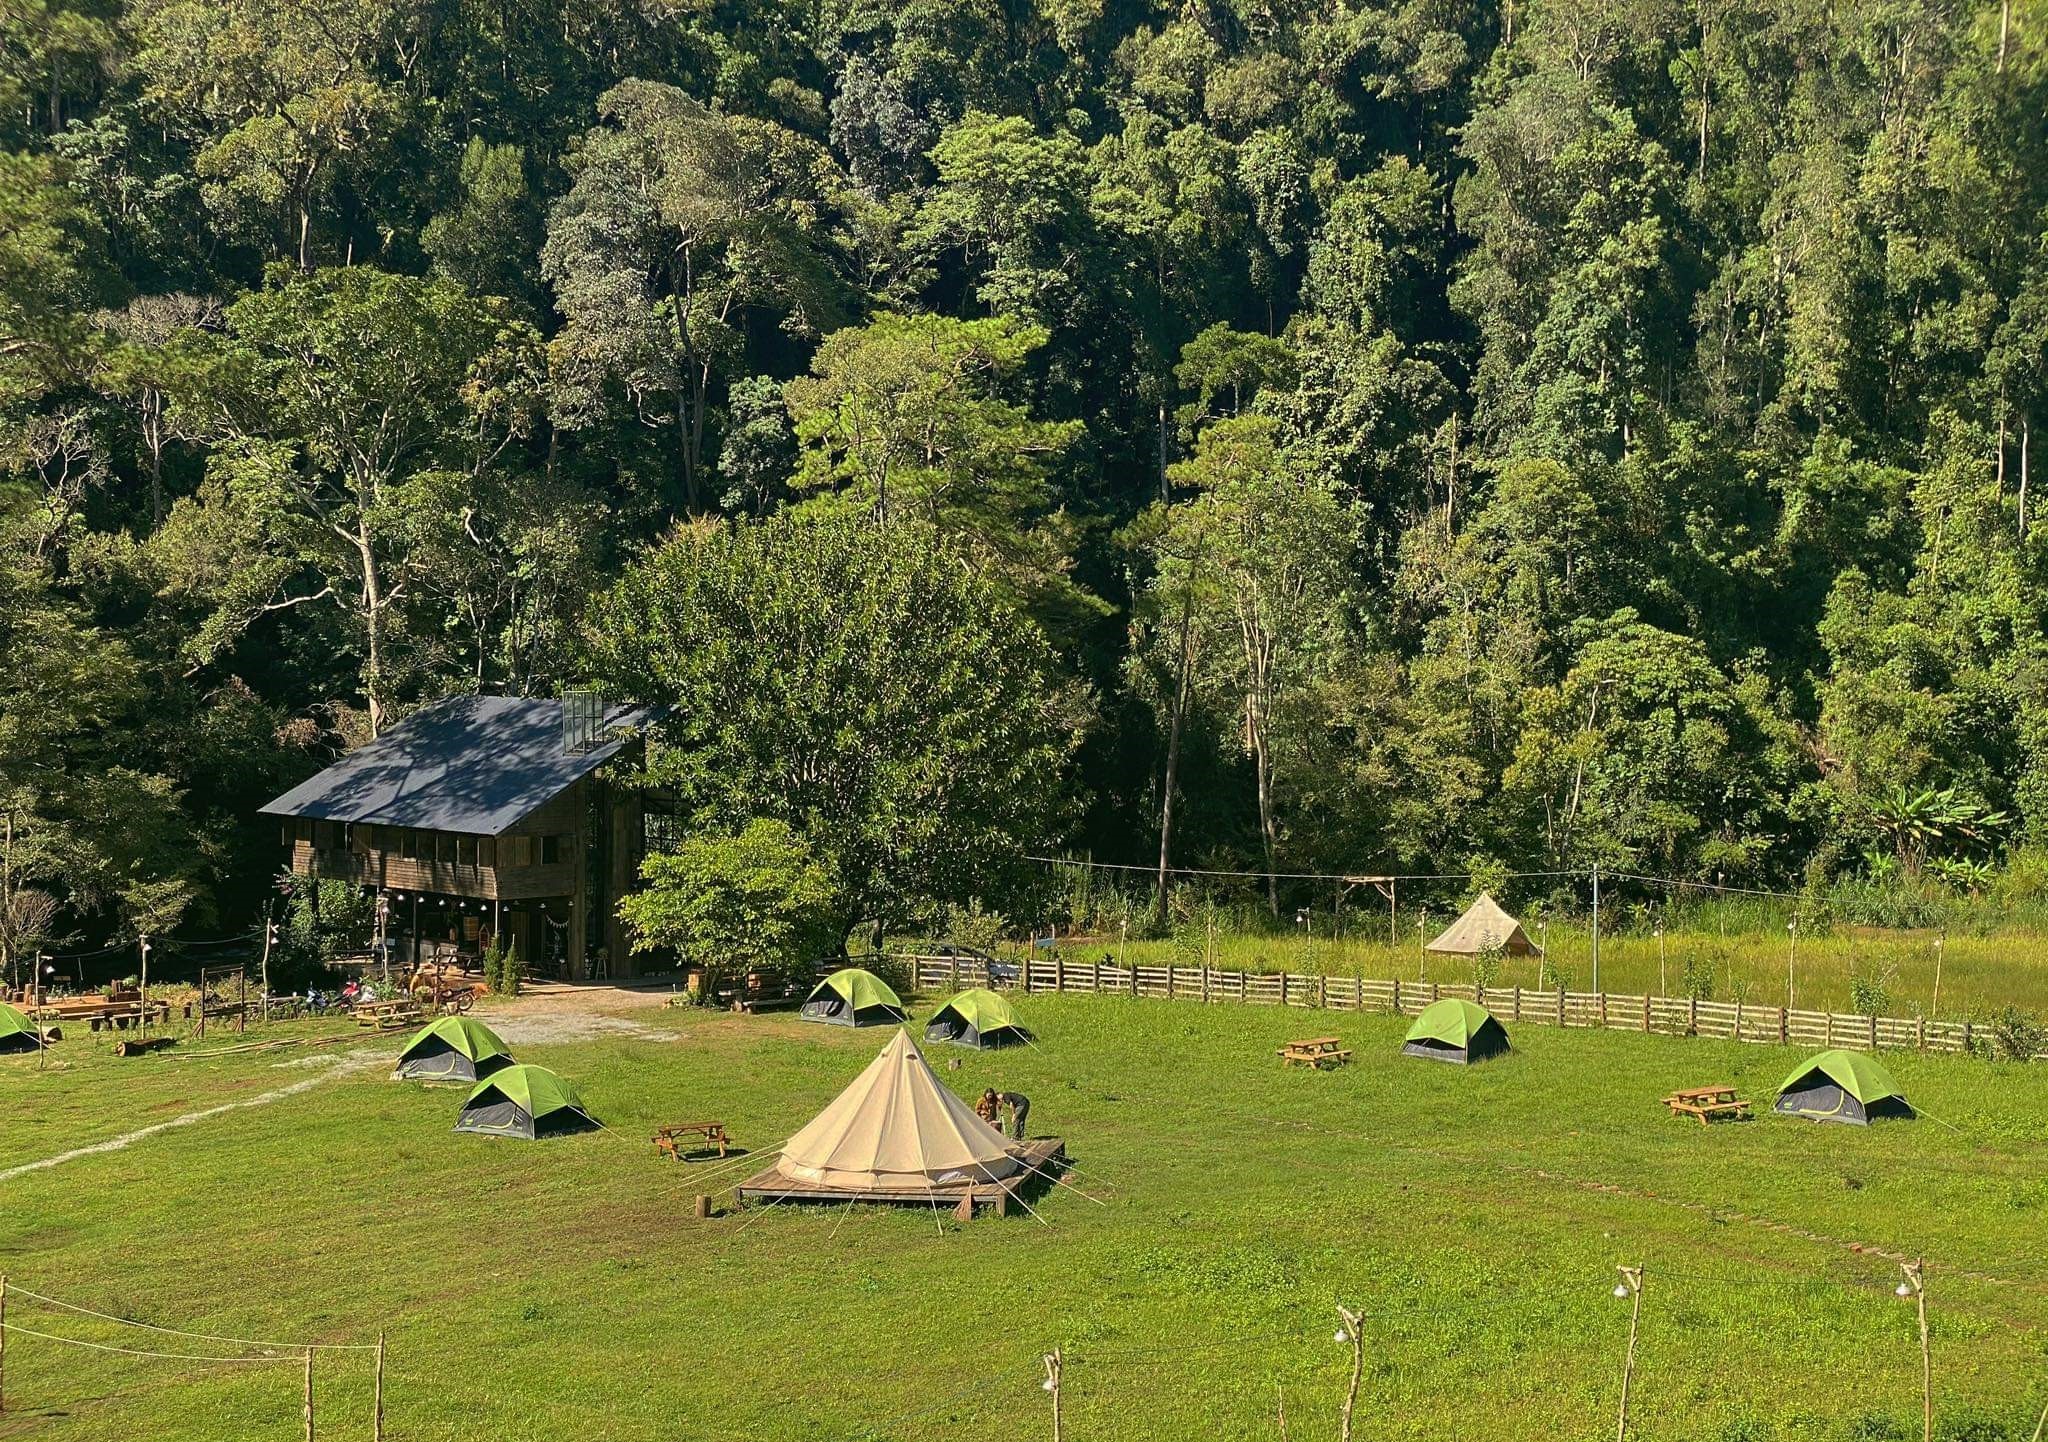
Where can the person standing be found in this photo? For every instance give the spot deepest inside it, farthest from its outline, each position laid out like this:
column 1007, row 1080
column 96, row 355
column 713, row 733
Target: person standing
column 1019, row 1107
column 987, row 1107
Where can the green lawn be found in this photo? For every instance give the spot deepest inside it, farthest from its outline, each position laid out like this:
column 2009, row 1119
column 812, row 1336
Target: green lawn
column 562, row 1290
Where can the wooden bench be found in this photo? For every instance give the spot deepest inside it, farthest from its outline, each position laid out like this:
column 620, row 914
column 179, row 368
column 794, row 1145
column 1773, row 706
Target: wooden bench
column 668, row 1140
column 1707, row 1103
column 385, row 1015
column 1317, row 1052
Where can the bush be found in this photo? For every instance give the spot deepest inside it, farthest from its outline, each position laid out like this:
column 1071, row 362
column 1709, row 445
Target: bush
column 1870, row 992
column 2017, row 1036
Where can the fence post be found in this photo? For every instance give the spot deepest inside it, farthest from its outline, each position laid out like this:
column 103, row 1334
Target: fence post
column 1132, row 975
column 1205, row 981
column 1435, row 993
column 1692, row 1016
column 1738, row 1021
column 1169, row 980
column 377, row 1417
column 1283, row 988
column 1646, row 1013
column 1603, row 1010
column 1920, row 1033
column 1518, row 1002
column 1397, row 996
column 1059, row 974
column 1784, row 1026
column 1873, row 1031
column 1562, row 1021
column 1969, row 1036
column 1831, row 1028
column 1323, row 992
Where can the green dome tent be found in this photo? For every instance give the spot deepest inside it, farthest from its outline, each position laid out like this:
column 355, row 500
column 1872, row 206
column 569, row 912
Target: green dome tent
column 453, row 1049
column 525, row 1102
column 976, row 1017
column 852, row 997
column 1841, row 1086
column 17, row 1032
column 1455, row 1031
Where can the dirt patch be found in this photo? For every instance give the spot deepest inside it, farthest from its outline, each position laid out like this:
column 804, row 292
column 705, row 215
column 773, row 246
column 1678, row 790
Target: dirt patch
column 561, row 1013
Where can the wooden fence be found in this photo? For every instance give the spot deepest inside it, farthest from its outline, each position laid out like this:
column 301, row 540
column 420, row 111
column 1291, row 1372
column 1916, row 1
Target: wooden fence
column 1664, row 1015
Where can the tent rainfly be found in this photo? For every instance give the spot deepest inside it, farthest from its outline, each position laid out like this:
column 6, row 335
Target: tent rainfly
column 852, row 997
column 896, row 1127
column 1841, row 1086
column 1455, row 1031
column 1484, row 927
column 17, row 1032
column 976, row 1017
column 525, row 1102
column 453, row 1049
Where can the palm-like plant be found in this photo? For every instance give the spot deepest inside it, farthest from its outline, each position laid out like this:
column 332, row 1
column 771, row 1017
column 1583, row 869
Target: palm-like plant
column 1925, row 823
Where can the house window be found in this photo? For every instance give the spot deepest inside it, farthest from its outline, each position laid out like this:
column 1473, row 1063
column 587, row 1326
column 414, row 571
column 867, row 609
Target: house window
column 660, row 832
column 465, row 851
column 551, row 850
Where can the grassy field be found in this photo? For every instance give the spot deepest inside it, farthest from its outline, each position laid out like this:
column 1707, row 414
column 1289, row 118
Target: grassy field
column 562, row 1290
column 1979, row 974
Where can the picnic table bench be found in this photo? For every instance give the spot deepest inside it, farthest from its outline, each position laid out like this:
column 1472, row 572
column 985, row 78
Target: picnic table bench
column 668, row 1139
column 1707, row 1103
column 385, row 1015
column 1318, row 1052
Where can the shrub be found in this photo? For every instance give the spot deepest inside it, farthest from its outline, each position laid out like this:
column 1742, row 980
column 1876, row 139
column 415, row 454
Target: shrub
column 1870, row 991
column 2017, row 1036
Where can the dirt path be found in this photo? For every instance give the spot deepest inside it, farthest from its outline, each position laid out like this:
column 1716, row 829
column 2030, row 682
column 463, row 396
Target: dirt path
column 341, row 1067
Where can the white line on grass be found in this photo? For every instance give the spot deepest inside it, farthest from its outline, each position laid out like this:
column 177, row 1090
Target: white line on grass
column 120, row 1143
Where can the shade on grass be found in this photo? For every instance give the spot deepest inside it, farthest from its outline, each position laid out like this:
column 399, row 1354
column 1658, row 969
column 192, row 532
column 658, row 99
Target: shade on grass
column 976, row 1017
column 852, row 997
column 525, row 1102
column 17, row 1032
column 1841, row 1086
column 1455, row 1031
column 455, row 1048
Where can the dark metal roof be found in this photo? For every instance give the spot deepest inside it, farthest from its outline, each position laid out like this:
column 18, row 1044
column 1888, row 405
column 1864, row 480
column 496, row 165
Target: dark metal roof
column 470, row 764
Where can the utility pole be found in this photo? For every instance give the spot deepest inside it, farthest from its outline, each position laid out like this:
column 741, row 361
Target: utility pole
column 1630, row 1286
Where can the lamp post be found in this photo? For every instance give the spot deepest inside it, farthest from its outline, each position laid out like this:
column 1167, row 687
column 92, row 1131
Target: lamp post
column 1663, row 982
column 1791, row 957
column 1915, row 1288
column 1354, row 1334
column 1631, row 1287
column 1052, row 1385
column 1940, row 947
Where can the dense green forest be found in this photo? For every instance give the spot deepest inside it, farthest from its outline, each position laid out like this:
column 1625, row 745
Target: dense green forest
column 1362, row 434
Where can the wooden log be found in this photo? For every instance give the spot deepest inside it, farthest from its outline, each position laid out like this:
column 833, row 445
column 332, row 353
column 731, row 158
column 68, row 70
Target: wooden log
column 137, row 1045
column 703, row 1208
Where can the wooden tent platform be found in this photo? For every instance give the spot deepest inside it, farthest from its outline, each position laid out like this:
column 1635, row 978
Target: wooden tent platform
column 1042, row 1158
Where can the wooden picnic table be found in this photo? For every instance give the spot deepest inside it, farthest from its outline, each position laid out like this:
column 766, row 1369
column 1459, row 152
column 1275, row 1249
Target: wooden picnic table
column 667, row 1140
column 385, row 1015
column 1707, row 1103
column 1318, row 1052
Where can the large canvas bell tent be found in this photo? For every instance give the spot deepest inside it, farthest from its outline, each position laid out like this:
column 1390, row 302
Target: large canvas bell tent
column 453, row 1049
column 1484, row 927
column 17, row 1032
column 979, row 1018
column 1841, row 1086
column 525, row 1102
column 897, row 1127
column 852, row 997
column 1455, row 1031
